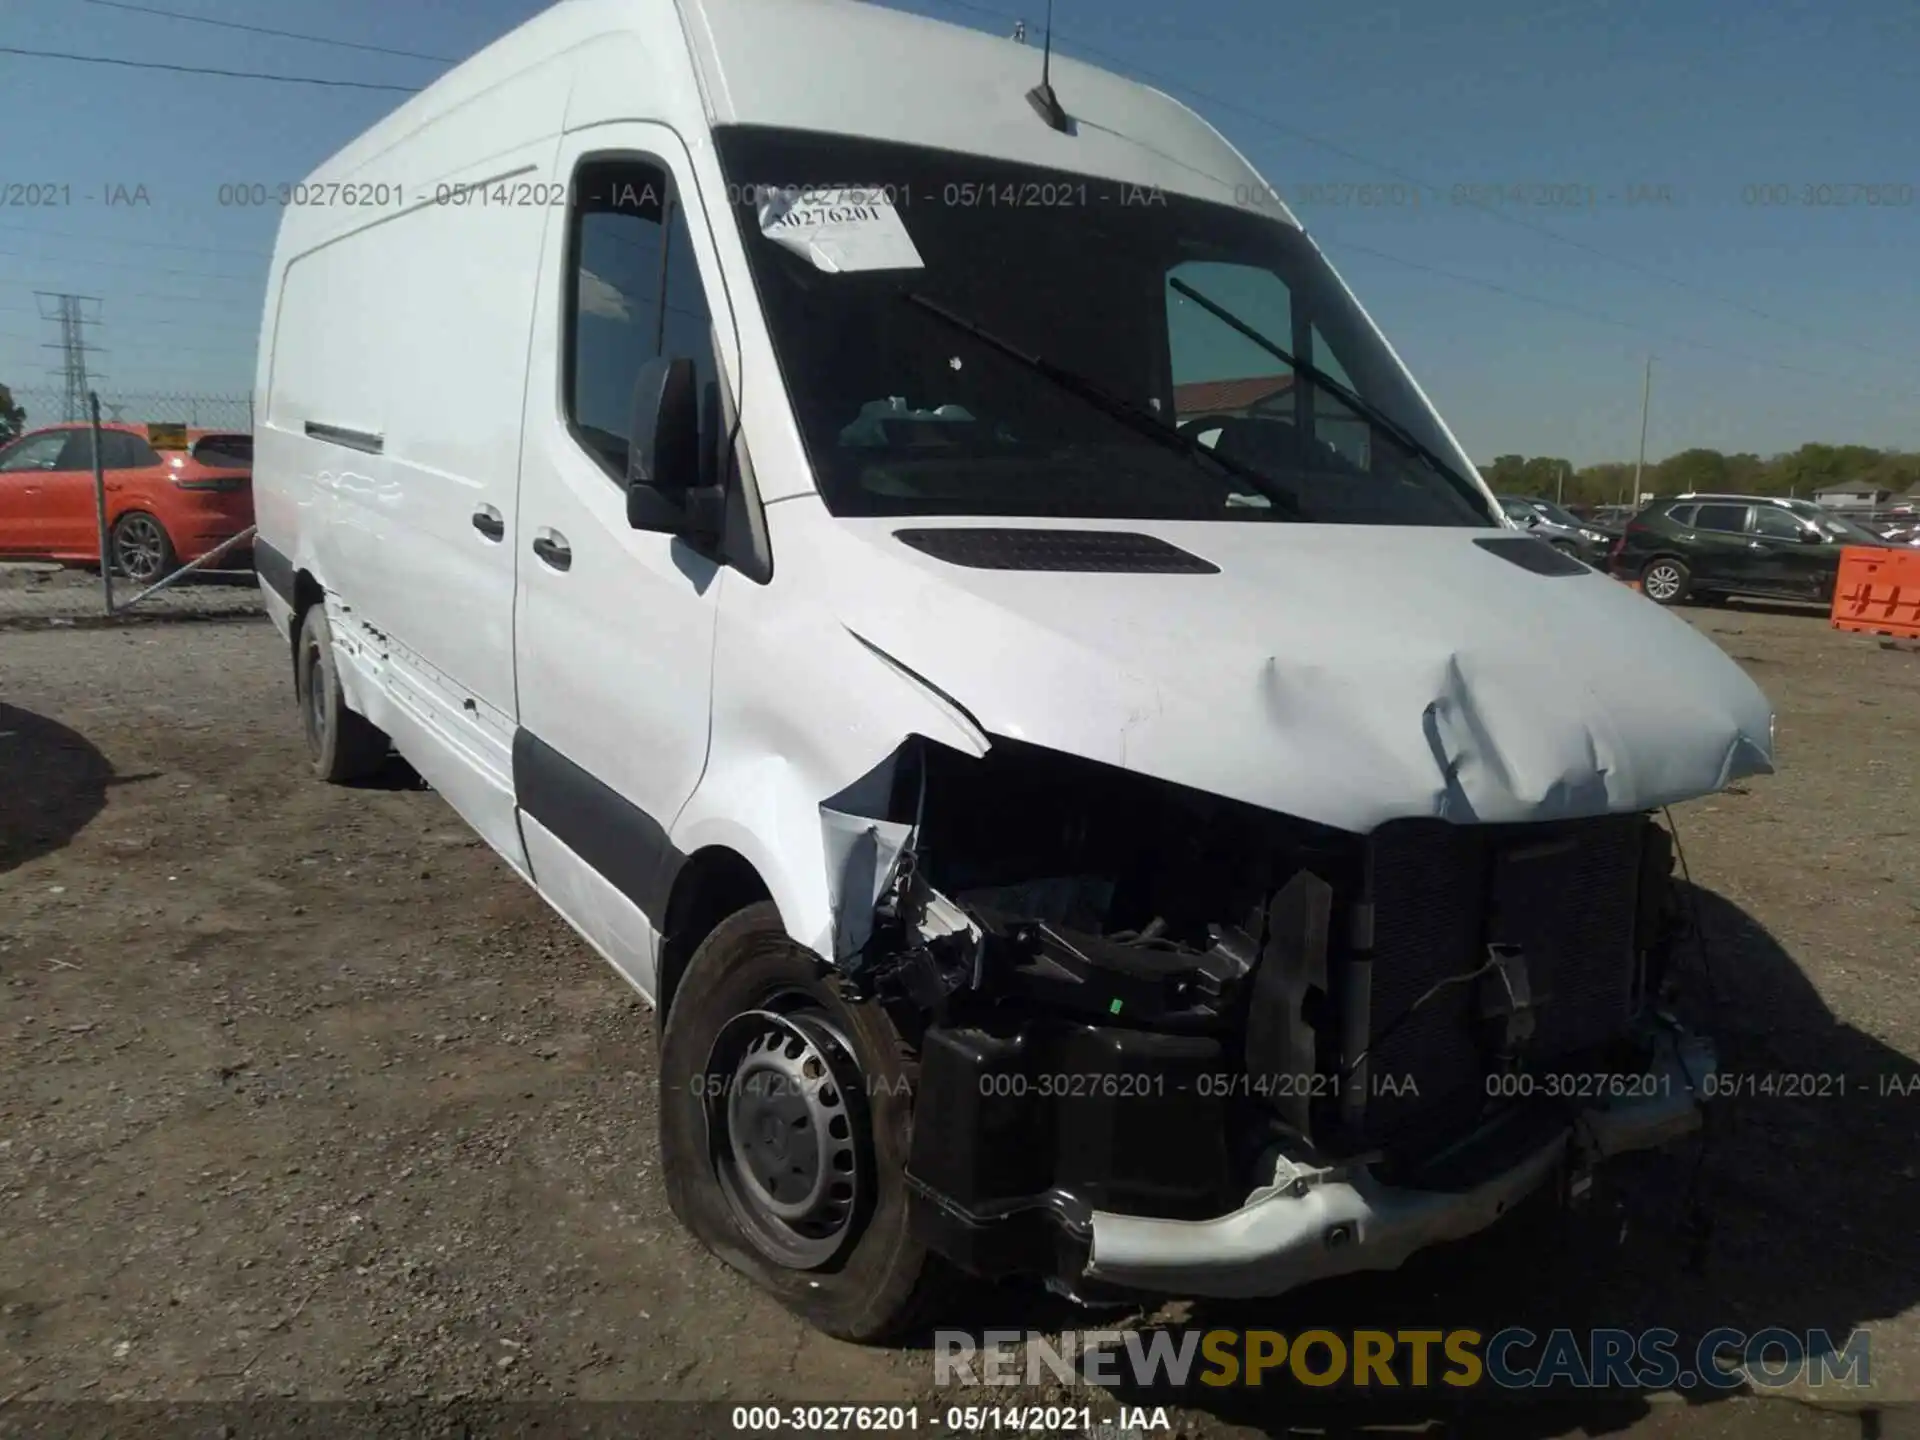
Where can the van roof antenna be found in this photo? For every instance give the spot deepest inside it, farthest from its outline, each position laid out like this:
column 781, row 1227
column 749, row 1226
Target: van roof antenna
column 1041, row 97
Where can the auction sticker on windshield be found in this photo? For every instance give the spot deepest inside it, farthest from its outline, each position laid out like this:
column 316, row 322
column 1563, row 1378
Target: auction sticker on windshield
column 840, row 230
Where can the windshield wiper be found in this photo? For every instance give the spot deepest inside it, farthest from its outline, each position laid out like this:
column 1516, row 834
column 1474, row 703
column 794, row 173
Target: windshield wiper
column 1105, row 401
column 1365, row 409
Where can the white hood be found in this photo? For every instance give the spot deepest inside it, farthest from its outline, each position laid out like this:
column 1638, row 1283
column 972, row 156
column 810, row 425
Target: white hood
column 1343, row 674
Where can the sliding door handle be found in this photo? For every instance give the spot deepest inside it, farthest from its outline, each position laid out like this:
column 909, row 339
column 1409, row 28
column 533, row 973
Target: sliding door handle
column 488, row 522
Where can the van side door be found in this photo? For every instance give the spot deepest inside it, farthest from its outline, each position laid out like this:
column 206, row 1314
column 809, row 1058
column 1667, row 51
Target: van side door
column 399, row 372
column 614, row 626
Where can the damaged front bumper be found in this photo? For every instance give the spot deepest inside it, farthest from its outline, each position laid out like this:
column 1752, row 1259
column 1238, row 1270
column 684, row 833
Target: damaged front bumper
column 1314, row 1227
column 1167, row 1043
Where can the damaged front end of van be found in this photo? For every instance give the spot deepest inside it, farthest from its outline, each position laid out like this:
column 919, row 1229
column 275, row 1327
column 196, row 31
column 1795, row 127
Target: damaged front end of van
column 1167, row 1041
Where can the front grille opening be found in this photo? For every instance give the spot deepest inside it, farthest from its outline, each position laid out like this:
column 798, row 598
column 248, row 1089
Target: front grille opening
column 1566, row 894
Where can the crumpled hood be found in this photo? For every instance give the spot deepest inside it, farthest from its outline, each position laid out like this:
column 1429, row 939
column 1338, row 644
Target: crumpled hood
column 1343, row 674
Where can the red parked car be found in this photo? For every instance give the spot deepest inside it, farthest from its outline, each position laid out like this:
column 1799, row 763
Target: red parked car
column 164, row 507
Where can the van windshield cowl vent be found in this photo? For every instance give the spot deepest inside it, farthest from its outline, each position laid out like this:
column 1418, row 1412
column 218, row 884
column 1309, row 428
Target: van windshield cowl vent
column 1531, row 553
column 1084, row 551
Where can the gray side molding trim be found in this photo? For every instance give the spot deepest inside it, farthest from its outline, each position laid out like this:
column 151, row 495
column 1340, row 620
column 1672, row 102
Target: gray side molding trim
column 623, row 843
column 274, row 569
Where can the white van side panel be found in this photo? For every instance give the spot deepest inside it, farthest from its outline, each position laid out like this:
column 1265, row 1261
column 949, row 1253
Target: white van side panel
column 391, row 435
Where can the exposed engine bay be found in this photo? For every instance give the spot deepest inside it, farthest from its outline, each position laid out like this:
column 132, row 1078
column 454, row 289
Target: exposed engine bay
column 1128, row 996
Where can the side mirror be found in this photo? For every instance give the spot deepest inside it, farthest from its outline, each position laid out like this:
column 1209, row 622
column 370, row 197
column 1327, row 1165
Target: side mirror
column 1810, row 536
column 664, row 492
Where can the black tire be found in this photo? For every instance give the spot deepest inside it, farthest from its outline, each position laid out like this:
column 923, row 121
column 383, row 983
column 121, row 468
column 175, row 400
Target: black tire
column 141, row 549
column 878, row 1280
column 1665, row 580
column 342, row 746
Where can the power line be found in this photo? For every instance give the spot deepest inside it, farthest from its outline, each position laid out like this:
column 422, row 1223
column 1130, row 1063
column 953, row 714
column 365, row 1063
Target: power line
column 1598, row 318
column 142, row 269
column 207, row 70
column 277, row 34
column 141, row 244
column 1506, row 216
column 204, row 301
column 251, row 330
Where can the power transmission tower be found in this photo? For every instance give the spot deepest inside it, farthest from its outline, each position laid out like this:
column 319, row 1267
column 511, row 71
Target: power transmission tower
column 71, row 314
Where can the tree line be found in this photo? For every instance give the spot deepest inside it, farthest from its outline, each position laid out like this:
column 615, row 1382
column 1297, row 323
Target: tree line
column 1798, row 472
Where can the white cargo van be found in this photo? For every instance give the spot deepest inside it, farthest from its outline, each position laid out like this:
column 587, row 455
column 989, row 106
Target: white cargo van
column 940, row 583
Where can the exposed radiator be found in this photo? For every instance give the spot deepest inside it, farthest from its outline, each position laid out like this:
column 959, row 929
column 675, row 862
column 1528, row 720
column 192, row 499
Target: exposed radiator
column 1565, row 893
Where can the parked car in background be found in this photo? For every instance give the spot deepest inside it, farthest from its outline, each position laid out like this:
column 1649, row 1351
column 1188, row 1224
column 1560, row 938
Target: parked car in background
column 1901, row 532
column 1901, row 525
column 1586, row 540
column 1687, row 547
column 164, row 508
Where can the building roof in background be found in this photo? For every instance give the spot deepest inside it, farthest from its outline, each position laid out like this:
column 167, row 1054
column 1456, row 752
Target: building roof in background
column 1850, row 487
column 1199, row 397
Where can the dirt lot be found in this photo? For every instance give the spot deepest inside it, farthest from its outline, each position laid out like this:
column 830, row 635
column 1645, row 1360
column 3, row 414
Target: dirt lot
column 302, row 1094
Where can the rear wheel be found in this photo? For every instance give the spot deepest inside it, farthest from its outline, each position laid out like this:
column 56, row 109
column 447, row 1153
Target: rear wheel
column 140, row 548
column 342, row 746
column 785, row 1119
column 1666, row 581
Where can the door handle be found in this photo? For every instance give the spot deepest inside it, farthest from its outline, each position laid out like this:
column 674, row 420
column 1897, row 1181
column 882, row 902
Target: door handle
column 1756, row 545
column 552, row 548
column 489, row 523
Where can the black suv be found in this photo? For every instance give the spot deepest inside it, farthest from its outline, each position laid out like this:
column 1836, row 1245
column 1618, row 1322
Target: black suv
column 1705, row 547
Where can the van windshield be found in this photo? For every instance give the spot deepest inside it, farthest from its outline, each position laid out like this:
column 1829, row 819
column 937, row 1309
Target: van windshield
column 970, row 337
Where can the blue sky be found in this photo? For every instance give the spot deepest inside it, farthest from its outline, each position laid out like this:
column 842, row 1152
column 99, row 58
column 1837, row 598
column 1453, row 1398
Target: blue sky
column 1527, row 323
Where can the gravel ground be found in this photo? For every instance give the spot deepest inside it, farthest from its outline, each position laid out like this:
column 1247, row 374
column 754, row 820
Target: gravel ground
column 303, row 1094
column 35, row 596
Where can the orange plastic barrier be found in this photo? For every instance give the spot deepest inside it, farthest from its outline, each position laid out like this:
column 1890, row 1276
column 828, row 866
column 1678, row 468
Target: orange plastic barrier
column 1878, row 592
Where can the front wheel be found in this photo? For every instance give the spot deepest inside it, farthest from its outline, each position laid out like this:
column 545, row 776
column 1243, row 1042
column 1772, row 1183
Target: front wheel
column 785, row 1121
column 1666, row 581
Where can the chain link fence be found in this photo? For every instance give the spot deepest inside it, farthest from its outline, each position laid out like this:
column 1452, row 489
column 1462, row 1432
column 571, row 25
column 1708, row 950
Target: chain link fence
column 54, row 526
column 50, row 406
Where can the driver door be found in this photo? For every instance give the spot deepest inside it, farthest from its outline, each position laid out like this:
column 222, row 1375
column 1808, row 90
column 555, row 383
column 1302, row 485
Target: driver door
column 29, row 493
column 613, row 633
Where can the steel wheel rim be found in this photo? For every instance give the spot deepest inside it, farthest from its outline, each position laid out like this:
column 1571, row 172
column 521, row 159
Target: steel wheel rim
column 139, row 546
column 1662, row 582
column 780, row 1093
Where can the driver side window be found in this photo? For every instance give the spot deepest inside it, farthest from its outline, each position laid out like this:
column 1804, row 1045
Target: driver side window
column 634, row 293
column 1776, row 524
column 36, row 452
